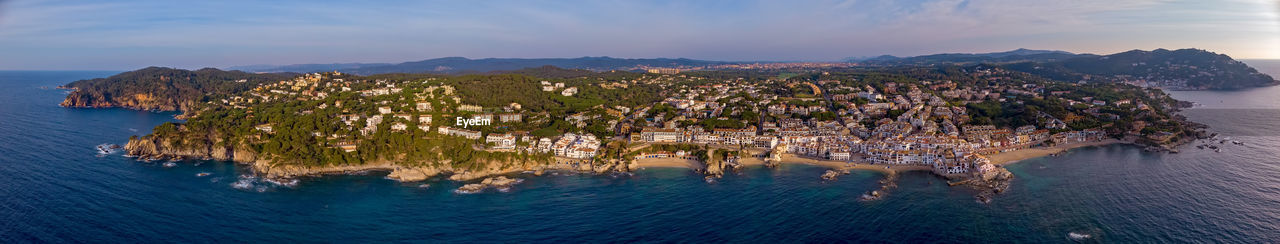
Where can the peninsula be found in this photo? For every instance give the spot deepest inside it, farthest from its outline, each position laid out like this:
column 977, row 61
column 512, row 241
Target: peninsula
column 958, row 120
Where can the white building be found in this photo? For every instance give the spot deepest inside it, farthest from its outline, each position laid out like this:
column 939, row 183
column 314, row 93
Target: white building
column 509, row 117
column 501, row 141
column 423, row 106
column 568, row 92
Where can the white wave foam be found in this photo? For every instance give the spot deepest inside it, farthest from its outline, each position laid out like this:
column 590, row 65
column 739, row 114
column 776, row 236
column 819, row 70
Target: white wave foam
column 1078, row 236
column 105, row 149
column 254, row 183
column 243, row 184
column 285, row 183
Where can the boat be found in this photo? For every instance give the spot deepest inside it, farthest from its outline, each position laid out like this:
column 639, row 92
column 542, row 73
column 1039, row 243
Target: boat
column 170, row 164
column 1237, row 142
column 203, row 174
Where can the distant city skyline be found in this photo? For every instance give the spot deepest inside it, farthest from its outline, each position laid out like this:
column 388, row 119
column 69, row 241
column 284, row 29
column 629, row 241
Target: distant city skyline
column 125, row 35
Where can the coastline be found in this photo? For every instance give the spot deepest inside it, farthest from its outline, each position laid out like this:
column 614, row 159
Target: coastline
column 786, row 159
column 406, row 173
column 1006, row 158
column 669, row 163
column 411, row 173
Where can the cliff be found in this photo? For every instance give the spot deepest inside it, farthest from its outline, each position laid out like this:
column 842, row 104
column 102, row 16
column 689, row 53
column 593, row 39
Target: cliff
column 156, row 88
column 153, row 147
column 140, row 101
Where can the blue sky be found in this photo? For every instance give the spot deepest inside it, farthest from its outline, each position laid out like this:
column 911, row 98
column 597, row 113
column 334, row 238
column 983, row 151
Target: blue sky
column 121, row 35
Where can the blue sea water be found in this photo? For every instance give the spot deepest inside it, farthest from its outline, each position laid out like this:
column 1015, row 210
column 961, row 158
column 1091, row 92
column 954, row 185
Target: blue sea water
column 55, row 187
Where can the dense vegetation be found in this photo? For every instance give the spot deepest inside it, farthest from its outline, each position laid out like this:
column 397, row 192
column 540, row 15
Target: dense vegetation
column 1198, row 69
column 162, row 88
column 307, row 127
column 1019, row 55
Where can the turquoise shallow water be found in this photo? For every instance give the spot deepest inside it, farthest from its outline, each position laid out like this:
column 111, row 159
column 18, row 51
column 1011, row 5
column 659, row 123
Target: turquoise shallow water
column 54, row 188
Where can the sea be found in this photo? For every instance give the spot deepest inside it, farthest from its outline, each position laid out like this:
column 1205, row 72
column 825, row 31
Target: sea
column 57, row 186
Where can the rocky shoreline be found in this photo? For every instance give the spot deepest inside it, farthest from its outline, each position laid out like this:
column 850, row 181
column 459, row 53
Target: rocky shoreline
column 81, row 99
column 147, row 148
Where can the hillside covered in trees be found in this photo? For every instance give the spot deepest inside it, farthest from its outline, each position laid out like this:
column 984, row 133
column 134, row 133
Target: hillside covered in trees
column 1185, row 69
column 158, row 88
column 1179, row 69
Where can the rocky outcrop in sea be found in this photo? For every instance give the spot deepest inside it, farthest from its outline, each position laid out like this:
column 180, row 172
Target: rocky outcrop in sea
column 502, row 183
column 833, row 174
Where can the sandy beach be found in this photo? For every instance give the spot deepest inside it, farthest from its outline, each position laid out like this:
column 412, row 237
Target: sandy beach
column 1035, row 152
column 669, row 163
column 998, row 159
column 751, row 161
column 786, row 159
column 855, row 165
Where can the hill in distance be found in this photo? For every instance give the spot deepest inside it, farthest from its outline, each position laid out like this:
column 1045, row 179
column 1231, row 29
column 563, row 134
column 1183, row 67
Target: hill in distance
column 158, row 88
column 452, row 65
column 1191, row 69
column 1179, row 69
column 304, row 68
column 1017, row 55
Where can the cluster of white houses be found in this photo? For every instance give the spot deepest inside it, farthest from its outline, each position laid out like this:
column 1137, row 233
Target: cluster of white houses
column 398, row 119
column 926, row 133
column 576, row 146
column 469, row 134
column 896, row 143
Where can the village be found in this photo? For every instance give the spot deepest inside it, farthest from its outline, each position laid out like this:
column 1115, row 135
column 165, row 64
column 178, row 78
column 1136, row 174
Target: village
column 925, row 123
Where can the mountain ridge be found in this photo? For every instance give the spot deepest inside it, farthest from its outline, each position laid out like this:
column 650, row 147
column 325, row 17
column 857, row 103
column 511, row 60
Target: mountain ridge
column 1020, row 54
column 1184, row 69
column 450, row 65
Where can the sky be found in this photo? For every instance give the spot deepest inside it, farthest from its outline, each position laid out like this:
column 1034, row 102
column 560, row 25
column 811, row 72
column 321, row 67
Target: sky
column 128, row 34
